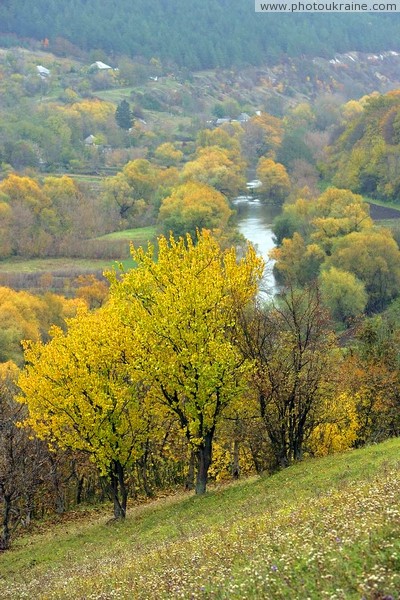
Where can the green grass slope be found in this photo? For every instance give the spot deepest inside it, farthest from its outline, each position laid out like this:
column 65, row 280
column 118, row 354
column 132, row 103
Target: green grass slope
column 326, row 528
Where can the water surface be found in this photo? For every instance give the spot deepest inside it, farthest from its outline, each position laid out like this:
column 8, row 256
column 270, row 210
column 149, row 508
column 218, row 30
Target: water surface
column 255, row 223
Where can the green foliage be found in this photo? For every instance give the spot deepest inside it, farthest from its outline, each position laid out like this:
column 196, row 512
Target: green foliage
column 335, row 230
column 180, row 32
column 343, row 294
column 123, row 115
column 374, row 258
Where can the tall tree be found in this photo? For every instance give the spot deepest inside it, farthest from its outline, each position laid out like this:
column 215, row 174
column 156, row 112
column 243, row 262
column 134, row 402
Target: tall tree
column 274, row 179
column 290, row 344
column 186, row 304
column 218, row 168
column 194, row 206
column 123, row 115
column 82, row 394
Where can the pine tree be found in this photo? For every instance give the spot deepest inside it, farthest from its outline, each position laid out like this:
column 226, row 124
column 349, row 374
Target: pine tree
column 123, row 115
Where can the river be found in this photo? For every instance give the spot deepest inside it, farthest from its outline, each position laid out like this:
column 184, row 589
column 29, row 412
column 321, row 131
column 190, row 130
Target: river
column 255, row 223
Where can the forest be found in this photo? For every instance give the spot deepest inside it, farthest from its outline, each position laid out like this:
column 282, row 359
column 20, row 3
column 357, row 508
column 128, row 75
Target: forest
column 137, row 354
column 194, row 35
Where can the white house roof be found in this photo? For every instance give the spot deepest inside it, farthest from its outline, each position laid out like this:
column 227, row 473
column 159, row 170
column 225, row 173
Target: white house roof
column 100, row 65
column 42, row 70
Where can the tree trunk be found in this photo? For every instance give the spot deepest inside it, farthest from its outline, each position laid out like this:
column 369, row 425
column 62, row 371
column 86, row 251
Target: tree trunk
column 59, row 502
column 5, row 533
column 235, row 460
column 79, row 489
column 204, row 456
column 144, row 471
column 119, row 492
column 189, row 484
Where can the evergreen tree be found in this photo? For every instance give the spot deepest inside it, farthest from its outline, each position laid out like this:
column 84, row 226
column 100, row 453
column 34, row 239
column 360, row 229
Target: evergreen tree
column 123, row 115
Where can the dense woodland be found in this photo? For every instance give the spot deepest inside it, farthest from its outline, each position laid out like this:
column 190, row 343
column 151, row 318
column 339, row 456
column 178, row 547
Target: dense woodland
column 215, row 33
column 172, row 370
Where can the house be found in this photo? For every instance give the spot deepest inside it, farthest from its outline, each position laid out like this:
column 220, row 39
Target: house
column 90, row 140
column 219, row 122
column 42, row 71
column 243, row 118
column 100, row 66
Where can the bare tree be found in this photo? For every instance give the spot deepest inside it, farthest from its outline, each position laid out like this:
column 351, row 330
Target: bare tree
column 290, row 343
column 22, row 461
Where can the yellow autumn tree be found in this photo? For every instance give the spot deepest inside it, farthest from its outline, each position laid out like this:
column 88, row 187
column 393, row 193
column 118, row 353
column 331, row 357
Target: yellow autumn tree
column 185, row 305
column 28, row 316
column 274, row 179
column 82, row 393
column 215, row 167
column 193, row 206
column 133, row 190
column 223, row 138
column 338, row 428
column 262, row 136
column 168, row 155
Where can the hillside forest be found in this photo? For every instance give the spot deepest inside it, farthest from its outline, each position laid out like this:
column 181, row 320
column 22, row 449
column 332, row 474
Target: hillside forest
column 215, row 33
column 138, row 354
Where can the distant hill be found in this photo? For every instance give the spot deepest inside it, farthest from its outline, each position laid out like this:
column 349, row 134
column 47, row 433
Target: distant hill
column 196, row 35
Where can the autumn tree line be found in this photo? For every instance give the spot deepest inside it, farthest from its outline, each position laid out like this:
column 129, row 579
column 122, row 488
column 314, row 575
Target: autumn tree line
column 183, row 376
column 178, row 372
column 57, row 216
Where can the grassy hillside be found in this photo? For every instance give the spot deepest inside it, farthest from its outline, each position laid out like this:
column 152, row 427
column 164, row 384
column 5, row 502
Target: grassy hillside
column 326, row 528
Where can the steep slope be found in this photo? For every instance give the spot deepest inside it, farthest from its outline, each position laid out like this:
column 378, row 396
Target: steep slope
column 326, row 528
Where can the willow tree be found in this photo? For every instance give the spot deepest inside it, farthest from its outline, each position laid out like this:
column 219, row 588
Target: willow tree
column 183, row 310
column 82, row 394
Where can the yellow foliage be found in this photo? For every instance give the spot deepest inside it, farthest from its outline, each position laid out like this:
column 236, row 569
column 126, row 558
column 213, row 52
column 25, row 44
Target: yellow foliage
column 8, row 372
column 24, row 316
column 214, row 167
column 185, row 305
column 274, row 178
column 80, row 392
column 338, row 430
column 193, row 206
column 168, row 154
column 98, row 110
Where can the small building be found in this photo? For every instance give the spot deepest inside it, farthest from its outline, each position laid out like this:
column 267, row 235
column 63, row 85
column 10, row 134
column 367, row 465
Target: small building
column 100, row 66
column 219, row 122
column 90, row 140
column 243, row 118
column 43, row 72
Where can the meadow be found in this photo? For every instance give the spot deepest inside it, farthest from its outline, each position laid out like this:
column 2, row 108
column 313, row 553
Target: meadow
column 102, row 254
column 325, row 528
